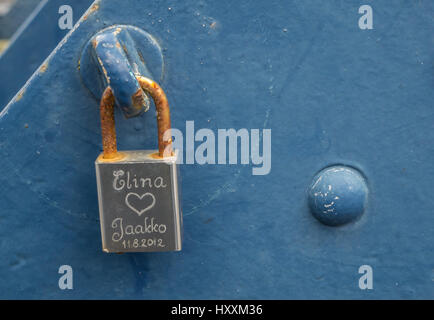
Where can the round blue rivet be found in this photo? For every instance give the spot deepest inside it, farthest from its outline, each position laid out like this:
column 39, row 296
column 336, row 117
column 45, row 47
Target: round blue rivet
column 337, row 195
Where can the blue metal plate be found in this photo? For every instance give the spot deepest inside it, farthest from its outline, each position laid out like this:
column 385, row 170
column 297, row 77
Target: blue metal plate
column 331, row 93
column 33, row 42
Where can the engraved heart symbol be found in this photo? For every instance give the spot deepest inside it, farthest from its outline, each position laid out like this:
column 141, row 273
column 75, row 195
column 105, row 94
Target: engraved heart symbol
column 134, row 201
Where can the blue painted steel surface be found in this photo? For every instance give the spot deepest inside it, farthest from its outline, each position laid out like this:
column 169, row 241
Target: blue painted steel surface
column 330, row 92
column 32, row 43
column 17, row 14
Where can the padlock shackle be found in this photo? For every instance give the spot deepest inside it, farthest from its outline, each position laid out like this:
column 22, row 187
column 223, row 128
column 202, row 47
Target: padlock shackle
column 163, row 115
column 108, row 129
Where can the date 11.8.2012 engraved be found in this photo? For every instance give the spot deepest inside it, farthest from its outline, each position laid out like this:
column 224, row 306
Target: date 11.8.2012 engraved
column 143, row 243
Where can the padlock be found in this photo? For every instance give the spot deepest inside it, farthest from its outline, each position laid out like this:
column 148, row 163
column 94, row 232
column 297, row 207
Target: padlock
column 138, row 191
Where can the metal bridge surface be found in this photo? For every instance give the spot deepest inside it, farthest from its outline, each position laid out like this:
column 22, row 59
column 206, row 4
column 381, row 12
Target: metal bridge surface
column 331, row 93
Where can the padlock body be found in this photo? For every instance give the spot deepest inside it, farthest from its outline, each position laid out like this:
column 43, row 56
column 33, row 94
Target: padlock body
column 139, row 202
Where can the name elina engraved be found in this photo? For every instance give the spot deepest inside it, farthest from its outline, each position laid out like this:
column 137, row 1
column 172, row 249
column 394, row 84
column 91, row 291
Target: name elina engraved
column 127, row 181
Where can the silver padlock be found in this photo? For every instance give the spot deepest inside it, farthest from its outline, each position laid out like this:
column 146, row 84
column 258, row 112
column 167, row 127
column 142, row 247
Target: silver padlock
column 138, row 191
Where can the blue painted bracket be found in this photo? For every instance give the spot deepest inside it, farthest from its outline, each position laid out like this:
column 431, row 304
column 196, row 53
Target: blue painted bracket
column 114, row 57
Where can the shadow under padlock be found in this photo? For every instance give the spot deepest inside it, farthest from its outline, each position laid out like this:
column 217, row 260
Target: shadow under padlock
column 138, row 192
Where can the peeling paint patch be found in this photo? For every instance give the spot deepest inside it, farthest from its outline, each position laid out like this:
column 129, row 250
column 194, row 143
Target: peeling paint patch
column 20, row 95
column 43, row 68
column 117, row 31
column 94, row 8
